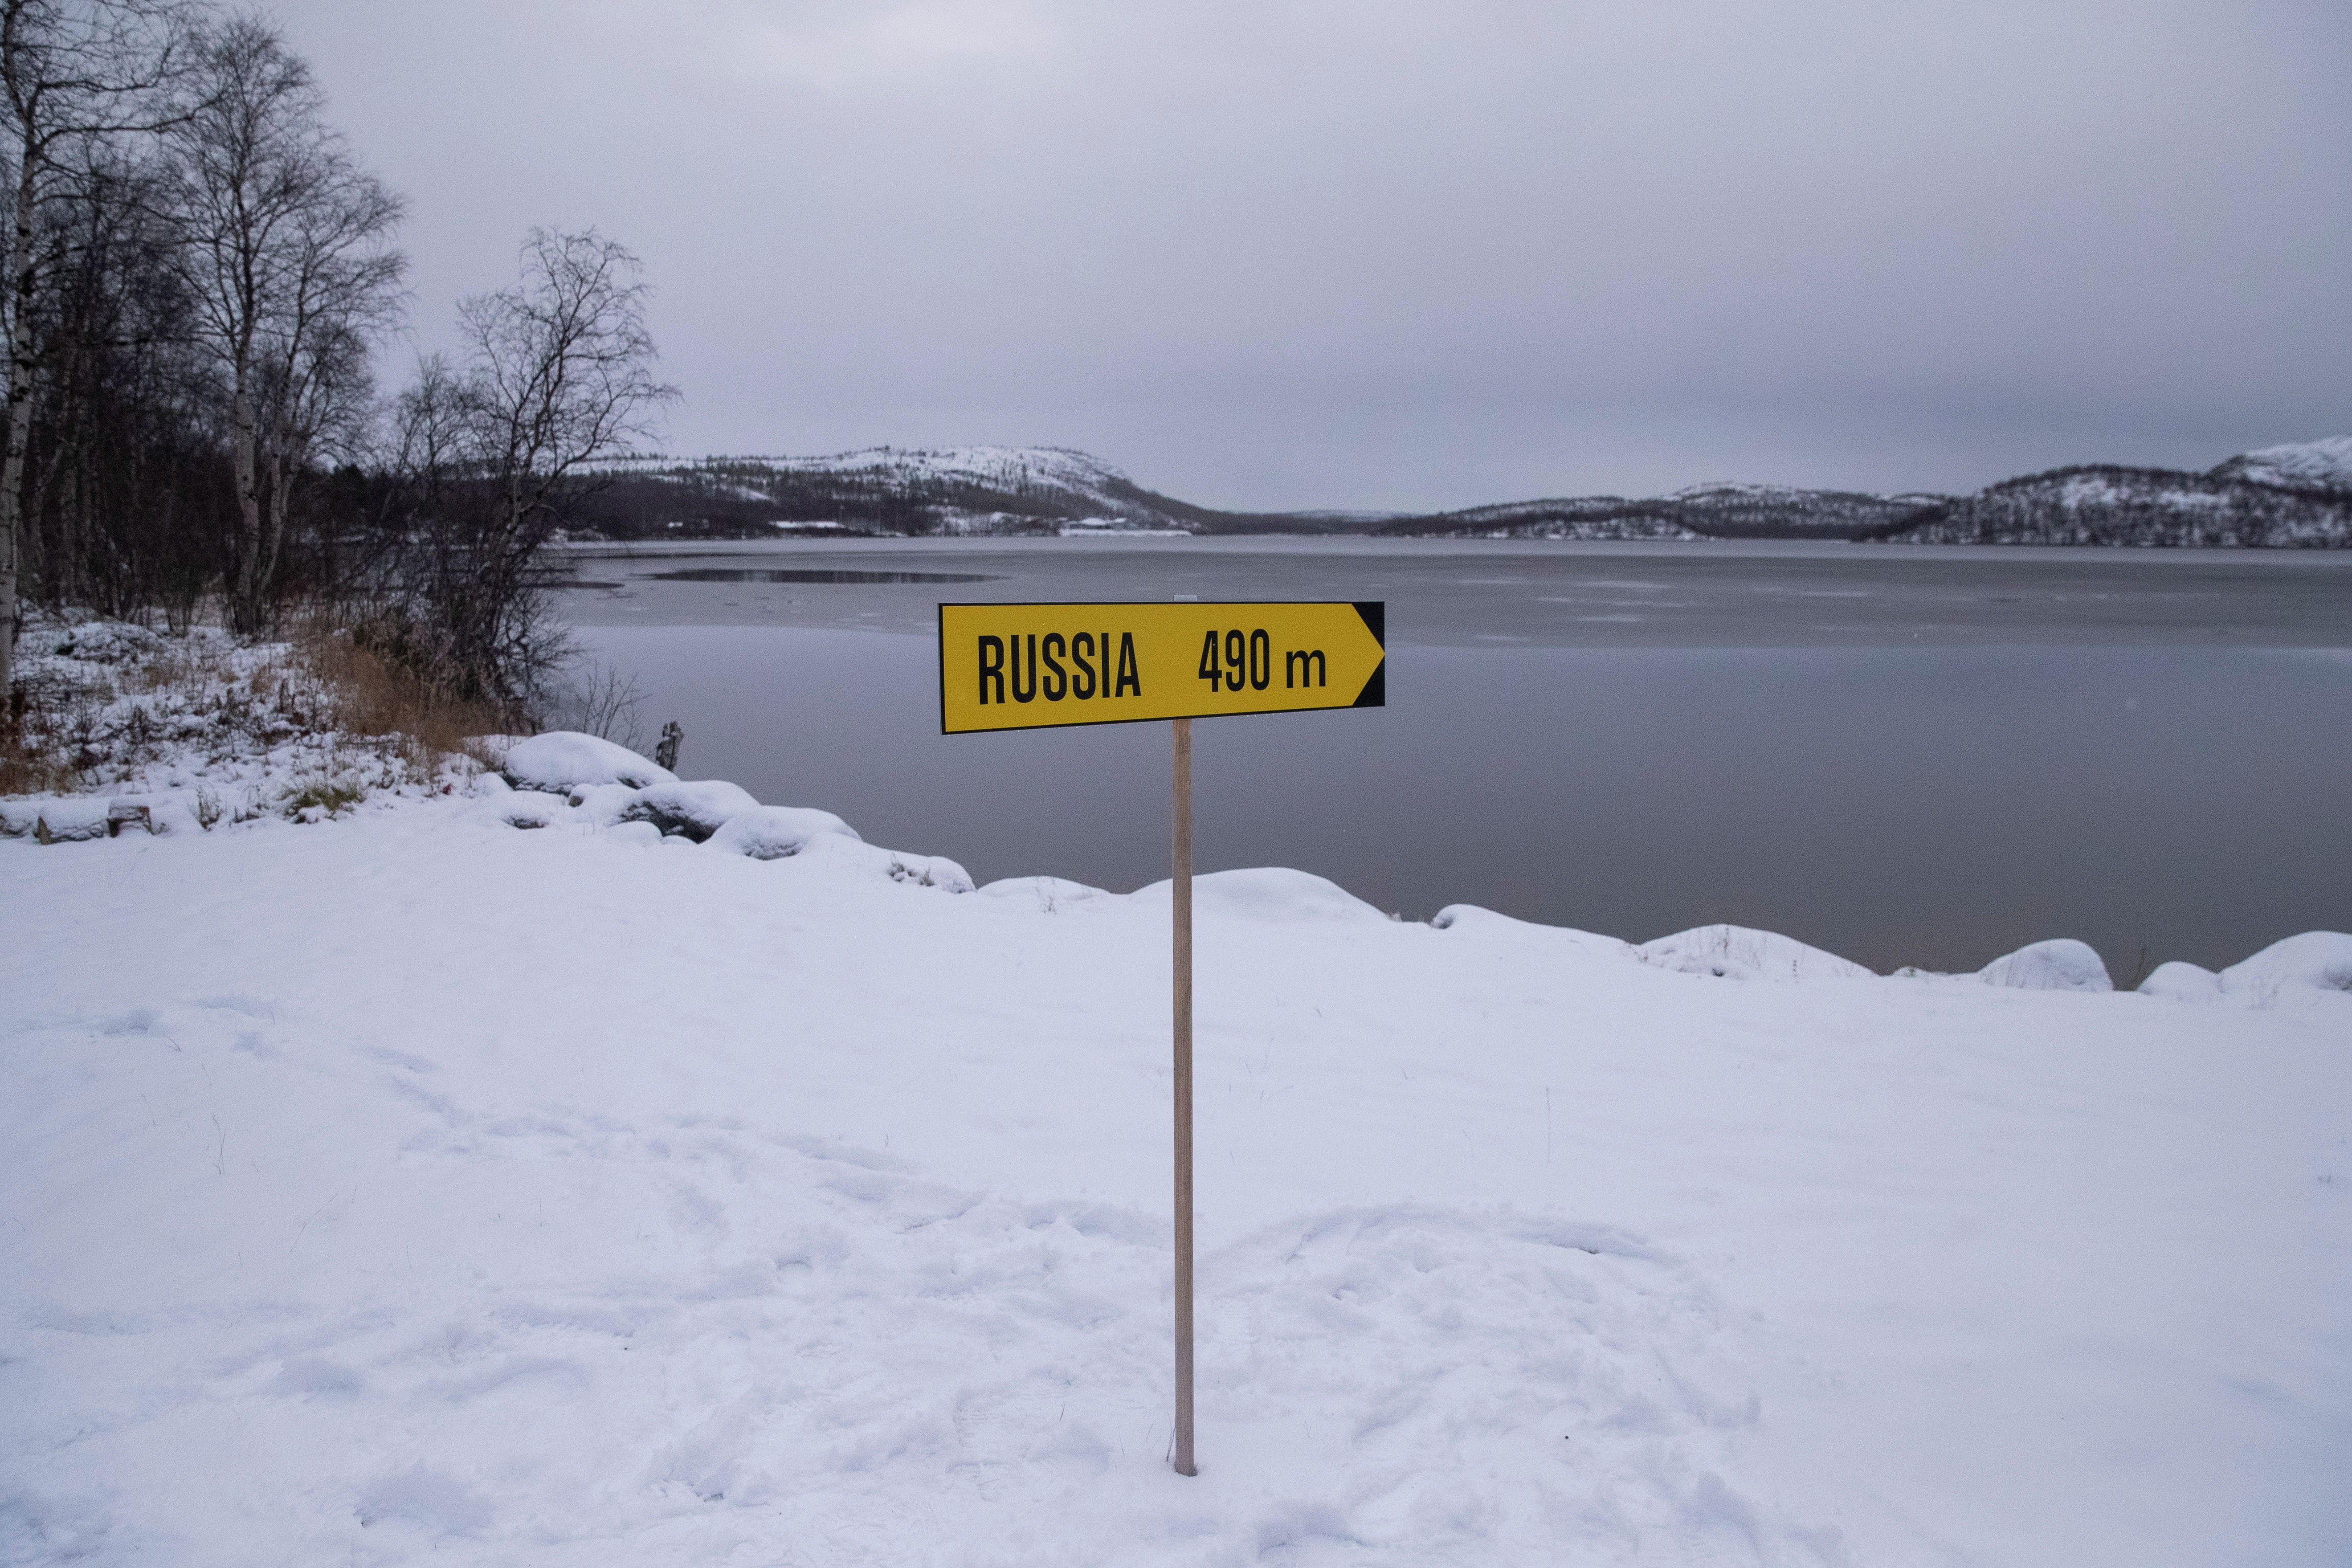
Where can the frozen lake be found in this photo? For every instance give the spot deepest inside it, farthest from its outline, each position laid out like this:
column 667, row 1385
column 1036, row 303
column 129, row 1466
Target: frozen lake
column 1904, row 755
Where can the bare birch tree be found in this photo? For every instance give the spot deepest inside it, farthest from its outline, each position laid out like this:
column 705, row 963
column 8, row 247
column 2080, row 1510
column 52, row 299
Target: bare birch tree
column 287, row 248
column 501, row 449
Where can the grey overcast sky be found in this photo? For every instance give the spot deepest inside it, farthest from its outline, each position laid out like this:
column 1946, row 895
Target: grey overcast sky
column 1272, row 253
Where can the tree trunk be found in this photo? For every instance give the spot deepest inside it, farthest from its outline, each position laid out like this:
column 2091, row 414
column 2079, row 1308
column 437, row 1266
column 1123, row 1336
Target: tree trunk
column 275, row 536
column 245, row 606
column 22, row 281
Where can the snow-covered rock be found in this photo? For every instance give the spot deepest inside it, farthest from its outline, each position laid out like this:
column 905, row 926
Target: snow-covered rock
column 838, row 852
column 71, row 819
column 564, row 760
column 2182, row 981
column 529, row 808
column 164, row 815
column 601, row 805
column 644, row 833
column 1478, row 922
column 1738, row 953
column 107, row 642
column 697, row 810
column 2059, row 964
column 1049, row 894
column 1269, row 893
column 921, row 870
column 20, row 817
column 774, row 832
column 2318, row 962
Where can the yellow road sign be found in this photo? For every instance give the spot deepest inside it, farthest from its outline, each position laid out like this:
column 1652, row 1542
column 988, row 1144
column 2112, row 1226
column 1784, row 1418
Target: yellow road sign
column 1034, row 667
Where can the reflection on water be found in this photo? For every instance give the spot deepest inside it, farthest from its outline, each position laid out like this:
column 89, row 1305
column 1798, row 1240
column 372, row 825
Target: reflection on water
column 1931, row 790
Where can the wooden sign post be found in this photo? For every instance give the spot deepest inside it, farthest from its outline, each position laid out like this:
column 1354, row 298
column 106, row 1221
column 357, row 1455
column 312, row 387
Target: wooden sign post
column 1034, row 667
column 1179, row 904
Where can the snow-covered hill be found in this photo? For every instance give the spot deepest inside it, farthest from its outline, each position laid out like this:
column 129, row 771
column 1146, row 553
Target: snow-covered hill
column 1008, row 469
column 898, row 490
column 2114, row 505
column 1717, row 511
column 2301, row 466
column 1055, row 482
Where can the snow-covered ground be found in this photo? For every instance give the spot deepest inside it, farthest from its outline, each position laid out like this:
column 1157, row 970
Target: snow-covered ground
column 410, row 1186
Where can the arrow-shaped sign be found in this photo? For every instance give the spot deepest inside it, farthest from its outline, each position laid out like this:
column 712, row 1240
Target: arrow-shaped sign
column 1034, row 667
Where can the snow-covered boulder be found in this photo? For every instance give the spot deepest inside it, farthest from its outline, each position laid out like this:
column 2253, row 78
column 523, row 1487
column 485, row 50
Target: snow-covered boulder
column 834, row 851
column 1051, row 894
column 2318, row 962
column 1739, row 952
column 1269, row 893
column 644, row 833
column 564, row 760
column 529, row 808
column 2182, row 981
column 74, row 818
column 923, row 870
column 1472, row 916
column 697, row 810
column 1478, row 923
column 2059, row 964
column 20, row 818
column 107, row 642
column 774, row 832
column 602, row 805
column 164, row 815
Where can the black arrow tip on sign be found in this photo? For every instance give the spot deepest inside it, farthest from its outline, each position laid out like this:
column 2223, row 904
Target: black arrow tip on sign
column 1375, row 693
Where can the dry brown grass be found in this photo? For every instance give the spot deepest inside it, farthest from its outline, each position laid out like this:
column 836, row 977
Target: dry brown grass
column 27, row 765
column 70, row 729
column 372, row 696
column 21, row 774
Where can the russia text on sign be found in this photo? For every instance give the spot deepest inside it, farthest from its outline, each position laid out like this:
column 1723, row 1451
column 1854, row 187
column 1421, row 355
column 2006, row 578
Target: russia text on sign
column 1029, row 667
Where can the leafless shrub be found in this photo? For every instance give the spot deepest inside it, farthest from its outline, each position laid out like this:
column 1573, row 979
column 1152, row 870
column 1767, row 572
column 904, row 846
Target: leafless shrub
column 603, row 702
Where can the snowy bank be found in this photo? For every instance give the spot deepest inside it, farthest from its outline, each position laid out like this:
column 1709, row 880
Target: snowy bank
column 497, row 1177
column 151, row 734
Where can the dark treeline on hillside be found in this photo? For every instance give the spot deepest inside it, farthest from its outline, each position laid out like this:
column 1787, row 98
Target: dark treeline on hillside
column 732, row 502
column 1710, row 512
column 200, row 272
column 2112, row 504
column 861, row 494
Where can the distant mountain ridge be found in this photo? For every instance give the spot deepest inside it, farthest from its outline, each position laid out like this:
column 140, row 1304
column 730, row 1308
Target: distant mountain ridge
column 2296, row 495
column 1721, row 511
column 2324, row 465
column 914, row 490
column 2291, row 496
